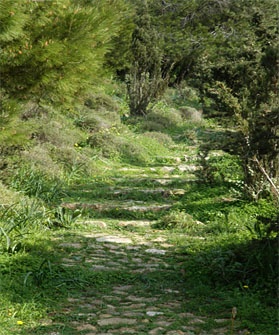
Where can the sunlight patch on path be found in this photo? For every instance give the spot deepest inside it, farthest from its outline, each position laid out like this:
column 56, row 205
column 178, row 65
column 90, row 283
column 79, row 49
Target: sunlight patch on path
column 114, row 239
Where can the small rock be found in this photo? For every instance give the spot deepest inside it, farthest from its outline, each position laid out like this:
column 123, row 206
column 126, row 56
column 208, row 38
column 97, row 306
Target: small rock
column 86, row 327
column 160, row 239
column 100, row 224
column 116, row 321
column 168, row 168
column 168, row 290
column 196, row 321
column 154, row 313
column 134, row 223
column 123, row 287
column 71, row 245
column 124, row 330
column 163, row 323
column 186, row 315
column 221, row 320
column 178, row 332
column 156, row 331
column 156, row 251
column 114, row 239
column 136, row 306
column 140, row 299
column 163, row 181
column 100, row 268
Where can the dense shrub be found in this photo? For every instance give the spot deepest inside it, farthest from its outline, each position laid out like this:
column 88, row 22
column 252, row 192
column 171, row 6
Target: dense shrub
column 162, row 138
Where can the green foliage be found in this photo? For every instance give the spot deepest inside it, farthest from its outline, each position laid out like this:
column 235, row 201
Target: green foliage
column 161, row 138
column 64, row 217
column 177, row 219
column 266, row 225
column 254, row 262
column 161, row 117
column 37, row 184
column 8, row 107
column 55, row 49
column 39, row 275
column 17, row 220
column 220, row 167
column 144, row 81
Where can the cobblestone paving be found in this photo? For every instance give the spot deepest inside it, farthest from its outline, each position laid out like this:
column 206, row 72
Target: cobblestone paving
column 143, row 289
column 138, row 304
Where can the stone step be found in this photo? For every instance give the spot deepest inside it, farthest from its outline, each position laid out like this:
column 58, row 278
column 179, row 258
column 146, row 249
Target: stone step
column 132, row 207
column 163, row 191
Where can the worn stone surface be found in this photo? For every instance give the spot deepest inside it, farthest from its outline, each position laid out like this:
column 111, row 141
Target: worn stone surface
column 137, row 286
column 116, row 321
column 156, row 251
column 114, row 239
column 86, row 327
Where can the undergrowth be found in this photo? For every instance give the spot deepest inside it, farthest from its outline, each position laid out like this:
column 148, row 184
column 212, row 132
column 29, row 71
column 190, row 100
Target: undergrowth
column 225, row 246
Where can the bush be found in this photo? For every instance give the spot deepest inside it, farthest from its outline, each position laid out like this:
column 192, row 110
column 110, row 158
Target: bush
column 106, row 142
column 102, row 102
column 133, row 153
column 42, row 159
column 177, row 219
column 92, row 123
column 220, row 167
column 160, row 118
column 161, row 138
column 191, row 114
column 253, row 262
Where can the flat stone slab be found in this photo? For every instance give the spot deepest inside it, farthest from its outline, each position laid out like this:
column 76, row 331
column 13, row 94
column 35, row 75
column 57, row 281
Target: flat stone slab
column 188, row 168
column 134, row 223
column 95, row 223
column 71, row 245
column 168, row 168
column 116, row 321
column 86, row 327
column 100, row 268
column 154, row 208
column 114, row 239
column 154, row 313
column 156, row 251
column 163, row 181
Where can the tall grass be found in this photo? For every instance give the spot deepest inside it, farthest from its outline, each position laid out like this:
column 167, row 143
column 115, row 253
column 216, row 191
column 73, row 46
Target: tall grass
column 37, row 184
column 18, row 220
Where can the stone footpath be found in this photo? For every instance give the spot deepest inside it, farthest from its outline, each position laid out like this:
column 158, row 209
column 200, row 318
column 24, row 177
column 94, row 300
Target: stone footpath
column 142, row 306
column 143, row 289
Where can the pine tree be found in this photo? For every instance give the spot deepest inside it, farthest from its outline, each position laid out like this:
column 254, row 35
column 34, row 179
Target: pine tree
column 53, row 50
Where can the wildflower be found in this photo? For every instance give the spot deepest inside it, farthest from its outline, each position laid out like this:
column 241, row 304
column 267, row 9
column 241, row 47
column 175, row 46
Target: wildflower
column 19, row 322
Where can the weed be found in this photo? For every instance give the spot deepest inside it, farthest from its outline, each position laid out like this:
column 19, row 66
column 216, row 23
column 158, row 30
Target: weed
column 177, row 219
column 16, row 221
column 40, row 274
column 37, row 184
column 64, row 217
column 74, row 172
